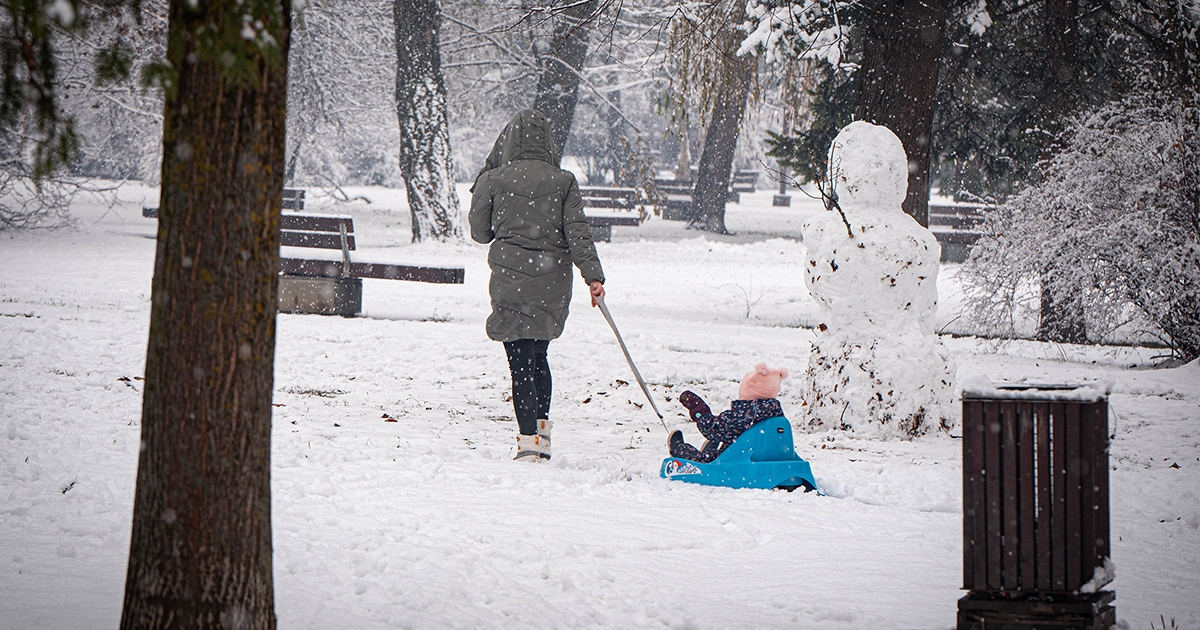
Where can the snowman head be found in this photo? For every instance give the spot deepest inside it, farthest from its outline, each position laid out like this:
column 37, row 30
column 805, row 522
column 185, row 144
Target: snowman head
column 869, row 167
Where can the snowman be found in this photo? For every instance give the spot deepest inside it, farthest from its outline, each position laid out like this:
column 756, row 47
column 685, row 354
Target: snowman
column 876, row 367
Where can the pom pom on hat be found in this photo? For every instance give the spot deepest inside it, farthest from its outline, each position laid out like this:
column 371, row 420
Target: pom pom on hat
column 762, row 382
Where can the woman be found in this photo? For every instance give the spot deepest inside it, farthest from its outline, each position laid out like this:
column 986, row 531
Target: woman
column 531, row 212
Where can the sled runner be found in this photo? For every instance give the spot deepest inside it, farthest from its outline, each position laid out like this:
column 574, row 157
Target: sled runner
column 762, row 457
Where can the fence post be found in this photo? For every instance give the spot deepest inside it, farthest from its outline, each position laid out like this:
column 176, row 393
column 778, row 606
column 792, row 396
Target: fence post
column 1036, row 548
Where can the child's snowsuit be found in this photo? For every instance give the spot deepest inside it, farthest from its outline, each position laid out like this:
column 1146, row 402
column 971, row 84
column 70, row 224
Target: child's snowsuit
column 721, row 430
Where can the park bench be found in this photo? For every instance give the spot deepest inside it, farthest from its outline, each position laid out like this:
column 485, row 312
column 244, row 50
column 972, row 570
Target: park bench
column 956, row 227
column 678, row 193
column 1036, row 530
column 331, row 285
column 293, row 199
column 743, row 182
column 609, row 199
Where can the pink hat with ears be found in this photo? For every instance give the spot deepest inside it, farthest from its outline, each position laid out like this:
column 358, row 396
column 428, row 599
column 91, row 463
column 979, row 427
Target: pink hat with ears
column 761, row 383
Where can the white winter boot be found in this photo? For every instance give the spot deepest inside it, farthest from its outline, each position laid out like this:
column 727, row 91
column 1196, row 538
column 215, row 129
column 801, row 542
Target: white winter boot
column 544, row 427
column 529, row 448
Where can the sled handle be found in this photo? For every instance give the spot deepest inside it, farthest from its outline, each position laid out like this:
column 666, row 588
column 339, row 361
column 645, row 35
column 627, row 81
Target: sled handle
column 628, row 359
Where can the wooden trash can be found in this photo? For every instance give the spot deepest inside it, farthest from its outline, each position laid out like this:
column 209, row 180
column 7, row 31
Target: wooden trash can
column 1036, row 542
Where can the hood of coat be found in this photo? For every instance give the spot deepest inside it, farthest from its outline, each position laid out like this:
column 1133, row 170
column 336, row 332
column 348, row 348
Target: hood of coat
column 527, row 137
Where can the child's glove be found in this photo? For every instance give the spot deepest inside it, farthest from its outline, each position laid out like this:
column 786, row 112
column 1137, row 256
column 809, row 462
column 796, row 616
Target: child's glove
column 695, row 405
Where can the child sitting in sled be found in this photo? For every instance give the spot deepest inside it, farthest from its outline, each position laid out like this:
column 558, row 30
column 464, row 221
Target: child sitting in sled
column 756, row 402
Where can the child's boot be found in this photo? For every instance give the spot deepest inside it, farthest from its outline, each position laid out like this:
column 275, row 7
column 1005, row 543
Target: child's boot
column 529, row 448
column 543, row 428
column 675, row 443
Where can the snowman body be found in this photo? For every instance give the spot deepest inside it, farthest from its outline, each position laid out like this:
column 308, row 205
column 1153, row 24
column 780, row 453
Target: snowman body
column 877, row 367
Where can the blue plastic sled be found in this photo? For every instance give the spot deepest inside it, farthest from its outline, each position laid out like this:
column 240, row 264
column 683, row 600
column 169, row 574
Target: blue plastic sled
column 762, row 457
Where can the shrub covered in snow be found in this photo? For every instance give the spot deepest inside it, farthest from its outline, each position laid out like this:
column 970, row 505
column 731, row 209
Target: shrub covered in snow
column 1117, row 214
column 877, row 367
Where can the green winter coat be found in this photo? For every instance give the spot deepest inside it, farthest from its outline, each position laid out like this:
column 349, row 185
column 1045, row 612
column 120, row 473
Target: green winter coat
column 531, row 212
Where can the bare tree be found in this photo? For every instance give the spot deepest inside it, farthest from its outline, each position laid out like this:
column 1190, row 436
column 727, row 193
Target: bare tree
column 200, row 551
column 716, row 77
column 425, row 159
column 341, row 96
column 495, row 56
column 1114, row 216
column 560, row 64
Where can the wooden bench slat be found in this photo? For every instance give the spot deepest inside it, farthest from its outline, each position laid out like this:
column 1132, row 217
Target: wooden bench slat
column 292, row 199
column 315, row 240
column 315, row 223
column 601, row 221
column 311, row 268
column 333, row 269
column 954, row 221
column 964, row 238
column 607, row 202
column 436, row 275
column 610, row 198
column 608, row 191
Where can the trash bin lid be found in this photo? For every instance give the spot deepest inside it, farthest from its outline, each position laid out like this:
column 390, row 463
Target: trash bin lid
column 1003, row 390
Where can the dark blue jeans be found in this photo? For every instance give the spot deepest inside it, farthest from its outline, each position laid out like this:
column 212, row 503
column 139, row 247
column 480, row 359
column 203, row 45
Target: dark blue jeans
column 531, row 384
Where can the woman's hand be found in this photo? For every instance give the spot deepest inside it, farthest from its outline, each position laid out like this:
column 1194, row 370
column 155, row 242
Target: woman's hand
column 597, row 289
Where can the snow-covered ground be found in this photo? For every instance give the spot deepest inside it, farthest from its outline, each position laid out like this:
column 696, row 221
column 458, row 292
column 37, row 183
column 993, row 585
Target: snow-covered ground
column 396, row 503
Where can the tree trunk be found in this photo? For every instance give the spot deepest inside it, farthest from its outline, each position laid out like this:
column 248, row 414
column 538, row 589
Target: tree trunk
column 1061, row 312
column 200, row 551
column 1060, row 83
column 616, row 147
column 425, row 160
column 558, row 84
column 897, row 83
column 683, row 166
column 716, row 160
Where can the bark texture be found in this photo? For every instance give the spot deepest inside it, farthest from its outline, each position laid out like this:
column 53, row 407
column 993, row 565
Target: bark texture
column 558, row 83
column 425, row 160
column 902, row 50
column 1060, row 83
column 720, row 141
column 1061, row 311
column 200, row 552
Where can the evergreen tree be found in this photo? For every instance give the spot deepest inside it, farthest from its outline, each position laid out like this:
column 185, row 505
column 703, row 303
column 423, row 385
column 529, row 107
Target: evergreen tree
column 51, row 51
column 896, row 46
column 830, row 107
column 1015, row 72
column 897, row 82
